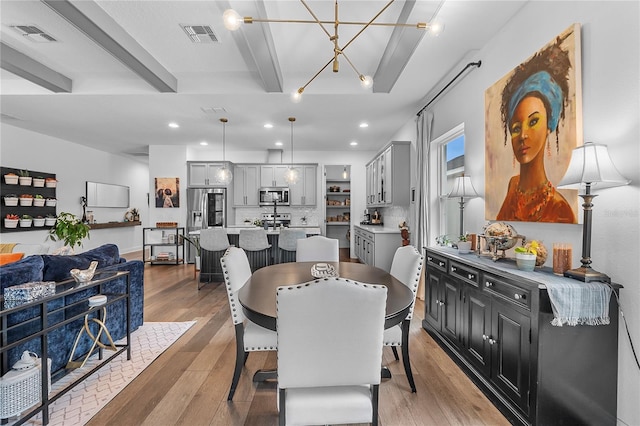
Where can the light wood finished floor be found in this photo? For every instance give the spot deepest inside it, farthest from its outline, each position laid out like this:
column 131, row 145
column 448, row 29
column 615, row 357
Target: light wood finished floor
column 188, row 384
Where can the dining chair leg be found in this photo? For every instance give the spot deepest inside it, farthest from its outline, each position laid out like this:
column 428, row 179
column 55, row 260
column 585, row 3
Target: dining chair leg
column 282, row 415
column 395, row 353
column 241, row 358
column 374, row 404
column 405, row 354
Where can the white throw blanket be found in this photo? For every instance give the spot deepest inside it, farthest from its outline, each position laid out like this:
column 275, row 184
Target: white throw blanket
column 579, row 303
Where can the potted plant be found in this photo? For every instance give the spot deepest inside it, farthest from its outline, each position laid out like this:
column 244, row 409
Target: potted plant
column 49, row 220
column 24, row 179
column 464, row 244
column 50, row 202
column 38, row 181
column 69, row 229
column 11, row 200
column 38, row 221
column 195, row 242
column 11, row 179
column 11, row 221
column 26, row 221
column 38, row 200
column 26, row 200
column 50, row 182
column 526, row 255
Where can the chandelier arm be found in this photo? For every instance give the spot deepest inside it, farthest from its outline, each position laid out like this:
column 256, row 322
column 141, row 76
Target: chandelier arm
column 367, row 25
column 316, row 74
column 316, row 19
column 303, row 21
column 351, row 63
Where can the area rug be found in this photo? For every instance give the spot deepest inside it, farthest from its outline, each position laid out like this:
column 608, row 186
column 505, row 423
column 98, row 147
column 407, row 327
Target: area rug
column 80, row 404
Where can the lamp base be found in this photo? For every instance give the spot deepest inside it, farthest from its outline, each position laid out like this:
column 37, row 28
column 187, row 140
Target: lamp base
column 586, row 274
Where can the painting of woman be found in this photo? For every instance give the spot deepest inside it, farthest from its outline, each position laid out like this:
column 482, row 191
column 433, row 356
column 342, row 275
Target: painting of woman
column 533, row 104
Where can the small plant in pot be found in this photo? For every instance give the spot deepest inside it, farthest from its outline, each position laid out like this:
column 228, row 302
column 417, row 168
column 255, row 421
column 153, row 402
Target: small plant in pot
column 26, row 221
column 527, row 255
column 464, row 244
column 69, row 229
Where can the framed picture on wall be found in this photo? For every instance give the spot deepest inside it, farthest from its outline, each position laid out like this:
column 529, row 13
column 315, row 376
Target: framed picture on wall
column 533, row 121
column 168, row 192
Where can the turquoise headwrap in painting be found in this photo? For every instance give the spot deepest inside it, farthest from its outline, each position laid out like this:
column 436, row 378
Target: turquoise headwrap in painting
column 540, row 82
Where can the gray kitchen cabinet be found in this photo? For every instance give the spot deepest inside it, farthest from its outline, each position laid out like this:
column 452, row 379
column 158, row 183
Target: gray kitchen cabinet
column 246, row 185
column 202, row 173
column 376, row 248
column 387, row 176
column 272, row 175
column 304, row 192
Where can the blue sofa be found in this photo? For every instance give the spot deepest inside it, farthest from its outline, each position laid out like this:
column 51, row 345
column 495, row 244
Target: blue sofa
column 56, row 268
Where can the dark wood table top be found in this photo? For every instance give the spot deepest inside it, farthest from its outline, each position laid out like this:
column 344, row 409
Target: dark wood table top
column 258, row 295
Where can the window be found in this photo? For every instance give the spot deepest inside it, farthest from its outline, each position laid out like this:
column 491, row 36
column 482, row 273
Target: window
column 447, row 163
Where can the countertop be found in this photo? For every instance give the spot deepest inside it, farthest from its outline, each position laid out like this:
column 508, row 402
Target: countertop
column 378, row 229
column 235, row 230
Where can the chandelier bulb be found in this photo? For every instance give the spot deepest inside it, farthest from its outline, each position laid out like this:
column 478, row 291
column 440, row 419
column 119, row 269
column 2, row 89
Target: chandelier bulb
column 366, row 81
column 232, row 20
column 435, row 28
column 296, row 97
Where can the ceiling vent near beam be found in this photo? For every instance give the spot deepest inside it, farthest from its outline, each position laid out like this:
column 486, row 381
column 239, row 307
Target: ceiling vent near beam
column 200, row 33
column 33, row 33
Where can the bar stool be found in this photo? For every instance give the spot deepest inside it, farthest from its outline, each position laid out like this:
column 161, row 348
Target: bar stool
column 288, row 243
column 255, row 243
column 213, row 243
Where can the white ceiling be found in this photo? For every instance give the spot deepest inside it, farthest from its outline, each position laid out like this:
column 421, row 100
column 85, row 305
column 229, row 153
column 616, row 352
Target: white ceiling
column 113, row 109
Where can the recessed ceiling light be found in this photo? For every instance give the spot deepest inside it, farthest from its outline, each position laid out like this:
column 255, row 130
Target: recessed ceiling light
column 278, row 143
column 268, row 126
column 363, row 125
column 204, row 143
column 353, row 143
column 174, row 125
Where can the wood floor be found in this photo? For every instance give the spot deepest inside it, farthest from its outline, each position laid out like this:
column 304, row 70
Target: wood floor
column 188, row 384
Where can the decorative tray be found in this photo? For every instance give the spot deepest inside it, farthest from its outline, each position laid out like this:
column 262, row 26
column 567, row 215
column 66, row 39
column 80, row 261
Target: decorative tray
column 323, row 270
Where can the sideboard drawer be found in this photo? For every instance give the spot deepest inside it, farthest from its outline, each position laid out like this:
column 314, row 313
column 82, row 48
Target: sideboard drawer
column 465, row 273
column 437, row 262
column 507, row 290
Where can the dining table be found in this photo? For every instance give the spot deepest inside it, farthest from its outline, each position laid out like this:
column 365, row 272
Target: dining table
column 258, row 295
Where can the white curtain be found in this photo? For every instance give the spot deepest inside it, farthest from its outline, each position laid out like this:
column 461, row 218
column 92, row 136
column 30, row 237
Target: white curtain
column 423, row 151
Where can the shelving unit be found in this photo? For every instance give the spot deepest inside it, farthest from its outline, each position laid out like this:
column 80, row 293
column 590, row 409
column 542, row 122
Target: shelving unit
column 338, row 204
column 156, row 238
column 34, row 211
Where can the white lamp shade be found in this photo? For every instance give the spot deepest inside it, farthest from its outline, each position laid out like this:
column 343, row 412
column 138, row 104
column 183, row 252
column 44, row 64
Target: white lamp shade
column 591, row 163
column 462, row 188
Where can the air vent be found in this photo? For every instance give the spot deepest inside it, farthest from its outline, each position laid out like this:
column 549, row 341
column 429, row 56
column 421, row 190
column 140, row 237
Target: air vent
column 213, row 110
column 33, row 33
column 200, row 33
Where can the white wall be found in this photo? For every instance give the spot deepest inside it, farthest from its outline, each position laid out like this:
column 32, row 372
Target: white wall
column 610, row 79
column 73, row 165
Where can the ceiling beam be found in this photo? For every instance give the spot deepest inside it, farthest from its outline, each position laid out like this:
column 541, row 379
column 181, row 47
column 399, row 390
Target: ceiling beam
column 401, row 46
column 256, row 46
column 28, row 68
column 95, row 23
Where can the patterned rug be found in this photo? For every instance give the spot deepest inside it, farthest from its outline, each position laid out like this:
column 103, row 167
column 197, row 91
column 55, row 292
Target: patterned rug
column 80, row 404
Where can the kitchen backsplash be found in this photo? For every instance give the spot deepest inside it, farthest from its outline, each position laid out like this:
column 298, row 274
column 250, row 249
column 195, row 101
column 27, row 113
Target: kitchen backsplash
column 393, row 216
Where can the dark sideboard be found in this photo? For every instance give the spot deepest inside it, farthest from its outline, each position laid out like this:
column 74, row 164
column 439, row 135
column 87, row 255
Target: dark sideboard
column 494, row 321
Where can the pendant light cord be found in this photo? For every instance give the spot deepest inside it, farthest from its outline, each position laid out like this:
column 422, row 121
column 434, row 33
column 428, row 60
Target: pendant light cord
column 291, row 120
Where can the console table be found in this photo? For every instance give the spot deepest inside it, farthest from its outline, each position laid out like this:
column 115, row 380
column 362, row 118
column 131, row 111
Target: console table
column 494, row 321
column 40, row 326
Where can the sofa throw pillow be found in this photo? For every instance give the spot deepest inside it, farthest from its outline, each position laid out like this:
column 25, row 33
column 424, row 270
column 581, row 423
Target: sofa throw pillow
column 56, row 268
column 23, row 271
column 10, row 257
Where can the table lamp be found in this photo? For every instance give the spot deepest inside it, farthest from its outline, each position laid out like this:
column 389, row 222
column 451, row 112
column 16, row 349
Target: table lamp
column 590, row 165
column 463, row 189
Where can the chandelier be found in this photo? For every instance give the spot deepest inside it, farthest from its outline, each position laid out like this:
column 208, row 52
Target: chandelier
column 233, row 20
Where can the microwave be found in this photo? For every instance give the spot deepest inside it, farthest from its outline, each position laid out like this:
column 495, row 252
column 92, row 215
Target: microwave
column 280, row 195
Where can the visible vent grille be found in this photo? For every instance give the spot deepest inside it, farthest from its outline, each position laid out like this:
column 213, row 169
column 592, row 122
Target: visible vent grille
column 213, row 110
column 34, row 33
column 200, row 33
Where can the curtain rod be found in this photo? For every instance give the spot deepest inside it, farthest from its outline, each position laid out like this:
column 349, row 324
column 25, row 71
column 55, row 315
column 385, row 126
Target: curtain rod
column 470, row 64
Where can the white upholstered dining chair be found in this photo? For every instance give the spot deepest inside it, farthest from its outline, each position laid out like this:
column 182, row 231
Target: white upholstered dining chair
column 249, row 336
column 318, row 249
column 329, row 351
column 406, row 267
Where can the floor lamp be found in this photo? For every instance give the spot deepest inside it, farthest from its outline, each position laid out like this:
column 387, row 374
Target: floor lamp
column 463, row 189
column 590, row 166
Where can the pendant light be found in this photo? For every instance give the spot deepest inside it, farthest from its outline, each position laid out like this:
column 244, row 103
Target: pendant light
column 345, row 174
column 292, row 175
column 224, row 175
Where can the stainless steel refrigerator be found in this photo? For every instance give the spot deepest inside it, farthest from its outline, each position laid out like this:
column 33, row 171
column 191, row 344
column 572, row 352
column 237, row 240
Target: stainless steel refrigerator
column 206, row 208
